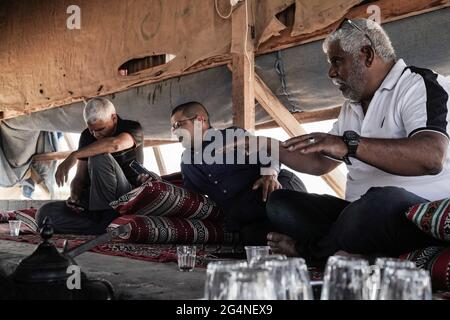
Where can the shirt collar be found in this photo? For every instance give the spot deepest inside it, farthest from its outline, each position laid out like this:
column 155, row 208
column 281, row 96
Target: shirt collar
column 393, row 76
column 388, row 83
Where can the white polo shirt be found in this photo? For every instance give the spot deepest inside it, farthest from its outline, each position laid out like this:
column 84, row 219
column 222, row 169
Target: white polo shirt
column 408, row 101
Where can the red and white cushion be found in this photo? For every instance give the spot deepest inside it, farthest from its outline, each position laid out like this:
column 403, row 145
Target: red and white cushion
column 160, row 198
column 171, row 230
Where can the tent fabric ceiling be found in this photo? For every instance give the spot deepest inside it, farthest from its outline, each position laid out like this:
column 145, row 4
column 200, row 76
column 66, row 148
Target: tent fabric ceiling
column 306, row 86
column 46, row 64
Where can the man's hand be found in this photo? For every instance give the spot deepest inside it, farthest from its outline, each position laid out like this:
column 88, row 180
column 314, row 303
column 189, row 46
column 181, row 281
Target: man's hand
column 75, row 205
column 324, row 143
column 268, row 184
column 62, row 173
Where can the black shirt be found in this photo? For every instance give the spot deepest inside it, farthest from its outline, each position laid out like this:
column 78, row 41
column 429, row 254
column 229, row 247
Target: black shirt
column 221, row 182
column 124, row 157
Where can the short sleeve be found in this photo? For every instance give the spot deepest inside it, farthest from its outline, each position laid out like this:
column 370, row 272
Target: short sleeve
column 339, row 123
column 135, row 129
column 335, row 129
column 424, row 105
column 85, row 139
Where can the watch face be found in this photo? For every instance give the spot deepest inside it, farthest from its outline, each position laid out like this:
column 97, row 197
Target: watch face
column 351, row 135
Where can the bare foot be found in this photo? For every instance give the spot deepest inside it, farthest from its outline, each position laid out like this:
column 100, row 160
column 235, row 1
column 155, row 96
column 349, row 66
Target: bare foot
column 280, row 243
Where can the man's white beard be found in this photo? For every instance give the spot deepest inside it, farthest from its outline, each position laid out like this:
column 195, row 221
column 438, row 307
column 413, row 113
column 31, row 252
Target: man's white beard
column 355, row 83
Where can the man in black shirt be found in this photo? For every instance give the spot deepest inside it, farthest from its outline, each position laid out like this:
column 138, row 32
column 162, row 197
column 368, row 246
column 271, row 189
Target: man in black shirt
column 105, row 151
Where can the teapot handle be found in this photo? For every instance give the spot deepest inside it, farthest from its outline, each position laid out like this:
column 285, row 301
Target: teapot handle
column 102, row 283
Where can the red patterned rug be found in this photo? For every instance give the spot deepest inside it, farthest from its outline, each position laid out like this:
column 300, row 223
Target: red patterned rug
column 145, row 252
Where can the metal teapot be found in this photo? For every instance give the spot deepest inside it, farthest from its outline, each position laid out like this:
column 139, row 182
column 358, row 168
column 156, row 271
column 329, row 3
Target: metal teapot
column 47, row 274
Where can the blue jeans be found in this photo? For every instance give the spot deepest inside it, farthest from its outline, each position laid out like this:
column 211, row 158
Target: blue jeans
column 373, row 225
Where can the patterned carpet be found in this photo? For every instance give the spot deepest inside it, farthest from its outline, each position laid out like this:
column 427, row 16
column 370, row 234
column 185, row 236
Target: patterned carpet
column 145, row 252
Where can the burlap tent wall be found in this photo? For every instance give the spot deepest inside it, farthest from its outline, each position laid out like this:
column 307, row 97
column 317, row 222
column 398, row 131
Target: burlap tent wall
column 44, row 64
column 298, row 76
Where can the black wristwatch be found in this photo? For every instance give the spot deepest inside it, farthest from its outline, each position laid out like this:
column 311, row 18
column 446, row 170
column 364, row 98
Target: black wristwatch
column 351, row 139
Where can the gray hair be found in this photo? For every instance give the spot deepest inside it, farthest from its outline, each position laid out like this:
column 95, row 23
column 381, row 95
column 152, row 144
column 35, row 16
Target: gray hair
column 98, row 109
column 352, row 40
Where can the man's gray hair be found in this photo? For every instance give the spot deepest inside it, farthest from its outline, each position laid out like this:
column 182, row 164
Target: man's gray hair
column 352, row 40
column 98, row 109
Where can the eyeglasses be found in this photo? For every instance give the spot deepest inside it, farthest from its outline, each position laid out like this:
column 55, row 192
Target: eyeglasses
column 354, row 25
column 178, row 124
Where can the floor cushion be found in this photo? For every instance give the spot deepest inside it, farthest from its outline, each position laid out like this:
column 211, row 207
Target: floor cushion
column 432, row 218
column 170, row 230
column 437, row 261
column 27, row 216
column 161, row 198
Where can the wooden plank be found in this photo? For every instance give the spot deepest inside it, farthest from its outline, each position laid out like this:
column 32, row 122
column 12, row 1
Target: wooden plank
column 242, row 48
column 276, row 110
column 64, row 154
column 287, row 121
column 51, row 156
column 305, row 117
column 390, row 11
column 153, row 143
column 160, row 161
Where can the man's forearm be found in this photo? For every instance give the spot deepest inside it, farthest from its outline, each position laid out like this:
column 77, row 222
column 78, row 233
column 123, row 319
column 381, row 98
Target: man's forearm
column 106, row 145
column 404, row 157
column 314, row 164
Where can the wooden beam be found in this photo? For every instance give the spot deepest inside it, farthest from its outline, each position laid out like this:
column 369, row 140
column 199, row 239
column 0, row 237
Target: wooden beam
column 305, row 117
column 242, row 48
column 287, row 121
column 154, row 143
column 51, row 156
column 160, row 161
column 390, row 11
column 64, row 154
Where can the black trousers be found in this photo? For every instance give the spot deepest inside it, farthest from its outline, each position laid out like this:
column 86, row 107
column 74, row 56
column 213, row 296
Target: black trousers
column 375, row 224
column 247, row 214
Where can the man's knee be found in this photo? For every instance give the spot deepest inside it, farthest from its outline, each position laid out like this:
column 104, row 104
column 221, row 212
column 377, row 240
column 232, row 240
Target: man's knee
column 275, row 203
column 47, row 210
column 282, row 202
column 290, row 181
column 376, row 215
column 391, row 195
column 100, row 161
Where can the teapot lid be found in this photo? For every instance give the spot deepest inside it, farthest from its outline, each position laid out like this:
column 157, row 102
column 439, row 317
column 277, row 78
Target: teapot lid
column 45, row 264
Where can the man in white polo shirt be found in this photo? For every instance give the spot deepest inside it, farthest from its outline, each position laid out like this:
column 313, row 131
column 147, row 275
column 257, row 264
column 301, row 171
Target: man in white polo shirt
column 392, row 133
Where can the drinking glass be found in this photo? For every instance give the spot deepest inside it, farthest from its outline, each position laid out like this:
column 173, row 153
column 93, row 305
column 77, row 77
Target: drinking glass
column 405, row 284
column 345, row 279
column 378, row 272
column 299, row 286
column 217, row 277
column 14, row 227
column 186, row 257
column 250, row 284
column 256, row 251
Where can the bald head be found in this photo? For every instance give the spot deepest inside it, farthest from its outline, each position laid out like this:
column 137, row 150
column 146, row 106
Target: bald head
column 192, row 109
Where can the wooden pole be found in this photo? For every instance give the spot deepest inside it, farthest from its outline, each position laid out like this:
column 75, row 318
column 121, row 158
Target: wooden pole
column 160, row 161
column 305, row 117
column 242, row 49
column 287, row 121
